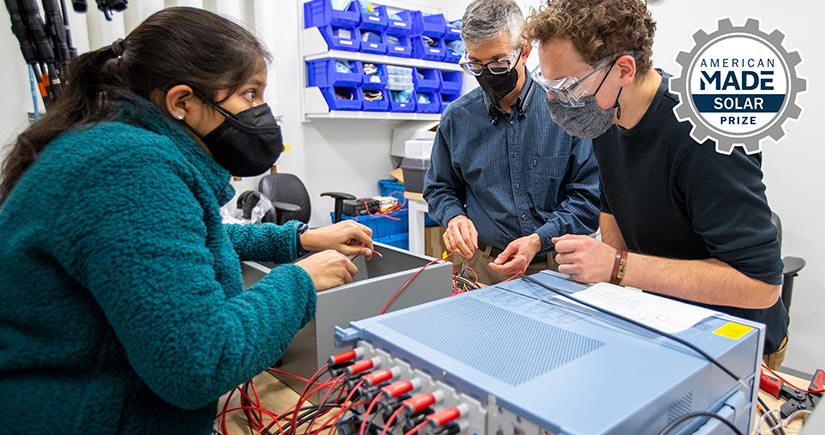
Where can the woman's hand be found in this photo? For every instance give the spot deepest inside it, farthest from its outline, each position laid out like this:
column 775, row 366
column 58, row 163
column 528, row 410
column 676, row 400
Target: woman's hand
column 347, row 237
column 328, row 269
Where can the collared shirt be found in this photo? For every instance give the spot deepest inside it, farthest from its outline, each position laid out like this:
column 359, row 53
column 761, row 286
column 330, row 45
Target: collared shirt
column 512, row 174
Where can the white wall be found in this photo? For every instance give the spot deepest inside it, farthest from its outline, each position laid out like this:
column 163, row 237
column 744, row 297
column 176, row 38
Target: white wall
column 347, row 155
column 14, row 83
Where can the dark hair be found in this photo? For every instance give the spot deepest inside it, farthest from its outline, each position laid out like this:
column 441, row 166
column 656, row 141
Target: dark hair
column 173, row 46
column 597, row 28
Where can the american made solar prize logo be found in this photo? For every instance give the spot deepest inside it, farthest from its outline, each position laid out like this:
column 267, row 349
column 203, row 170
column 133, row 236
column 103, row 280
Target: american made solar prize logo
column 738, row 85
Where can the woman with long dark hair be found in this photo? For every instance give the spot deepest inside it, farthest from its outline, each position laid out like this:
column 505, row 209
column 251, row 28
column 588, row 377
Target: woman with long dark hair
column 123, row 304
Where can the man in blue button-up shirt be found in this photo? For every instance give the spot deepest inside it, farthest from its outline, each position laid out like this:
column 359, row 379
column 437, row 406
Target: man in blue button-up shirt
column 504, row 179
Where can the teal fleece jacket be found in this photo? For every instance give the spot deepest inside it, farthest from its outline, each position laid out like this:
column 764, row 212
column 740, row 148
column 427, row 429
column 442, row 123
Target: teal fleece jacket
column 123, row 309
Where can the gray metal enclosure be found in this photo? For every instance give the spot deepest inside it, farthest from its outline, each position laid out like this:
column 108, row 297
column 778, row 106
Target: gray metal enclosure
column 377, row 280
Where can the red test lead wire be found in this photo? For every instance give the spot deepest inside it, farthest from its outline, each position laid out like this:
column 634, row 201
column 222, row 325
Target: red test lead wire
column 381, row 376
column 362, row 366
column 347, row 356
column 402, row 387
column 445, row 416
column 423, row 401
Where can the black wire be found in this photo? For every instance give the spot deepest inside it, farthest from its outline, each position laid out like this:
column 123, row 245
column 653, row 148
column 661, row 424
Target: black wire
column 672, row 425
column 313, row 379
column 641, row 325
column 777, row 427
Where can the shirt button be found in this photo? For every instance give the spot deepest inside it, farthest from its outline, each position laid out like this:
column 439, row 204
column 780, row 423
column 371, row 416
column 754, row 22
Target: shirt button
column 514, row 155
column 524, row 217
column 518, row 185
column 512, row 123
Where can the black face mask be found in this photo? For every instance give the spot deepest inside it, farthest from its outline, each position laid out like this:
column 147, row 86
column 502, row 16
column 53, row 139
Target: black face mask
column 247, row 143
column 497, row 86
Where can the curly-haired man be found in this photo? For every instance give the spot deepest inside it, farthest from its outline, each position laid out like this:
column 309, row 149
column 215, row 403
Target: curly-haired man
column 677, row 218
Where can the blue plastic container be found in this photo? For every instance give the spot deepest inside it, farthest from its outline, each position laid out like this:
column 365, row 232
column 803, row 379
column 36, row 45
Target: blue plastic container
column 401, row 241
column 421, row 106
column 431, row 25
column 399, row 45
column 401, row 106
column 374, row 81
column 382, row 226
column 453, row 31
column 318, row 13
column 342, row 98
column 400, row 23
column 390, row 187
column 427, row 80
column 376, row 46
column 341, row 38
column 423, row 50
column 447, row 99
column 451, row 56
column 380, row 105
column 324, row 72
column 451, row 82
column 374, row 19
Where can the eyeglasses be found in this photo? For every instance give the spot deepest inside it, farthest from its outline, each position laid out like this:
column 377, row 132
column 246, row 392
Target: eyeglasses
column 497, row 67
column 569, row 91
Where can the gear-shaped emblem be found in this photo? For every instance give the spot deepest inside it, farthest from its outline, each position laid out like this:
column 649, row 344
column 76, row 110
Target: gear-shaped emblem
column 738, row 85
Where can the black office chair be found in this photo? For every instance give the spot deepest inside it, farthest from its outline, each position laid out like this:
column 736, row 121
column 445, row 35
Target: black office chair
column 289, row 197
column 790, row 265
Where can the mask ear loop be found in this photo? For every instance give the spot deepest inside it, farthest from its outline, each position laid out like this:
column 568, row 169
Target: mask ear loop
column 616, row 105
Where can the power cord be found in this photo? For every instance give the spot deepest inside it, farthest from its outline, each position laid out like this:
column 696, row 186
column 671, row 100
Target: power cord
column 691, row 415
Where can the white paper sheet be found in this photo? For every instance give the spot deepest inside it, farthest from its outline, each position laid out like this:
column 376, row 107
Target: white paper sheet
column 663, row 314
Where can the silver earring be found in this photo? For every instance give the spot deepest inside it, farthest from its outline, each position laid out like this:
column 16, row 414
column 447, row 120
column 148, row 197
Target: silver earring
column 180, row 117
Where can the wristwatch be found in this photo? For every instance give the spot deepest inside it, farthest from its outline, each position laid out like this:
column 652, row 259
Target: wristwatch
column 300, row 248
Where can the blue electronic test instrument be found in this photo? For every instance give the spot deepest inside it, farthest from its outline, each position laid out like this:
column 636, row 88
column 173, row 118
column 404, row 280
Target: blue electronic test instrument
column 520, row 359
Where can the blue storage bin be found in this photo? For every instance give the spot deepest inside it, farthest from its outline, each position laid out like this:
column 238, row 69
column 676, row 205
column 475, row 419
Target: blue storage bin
column 399, row 45
column 431, row 25
column 447, row 99
column 373, row 17
column 319, row 13
column 342, row 98
column 423, row 50
column 400, row 22
column 453, row 31
column 375, row 105
column 451, row 82
column 401, row 241
column 372, row 41
column 391, row 187
column 427, row 80
column 324, row 72
column 373, row 81
column 397, row 105
column 382, row 226
column 453, row 51
column 341, row 38
column 427, row 102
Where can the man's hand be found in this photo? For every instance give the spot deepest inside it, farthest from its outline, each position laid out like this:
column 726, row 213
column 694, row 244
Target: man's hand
column 461, row 236
column 328, row 269
column 584, row 258
column 517, row 256
column 347, row 237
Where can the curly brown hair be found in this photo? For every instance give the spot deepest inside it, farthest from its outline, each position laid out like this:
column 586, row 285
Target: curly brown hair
column 597, row 28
